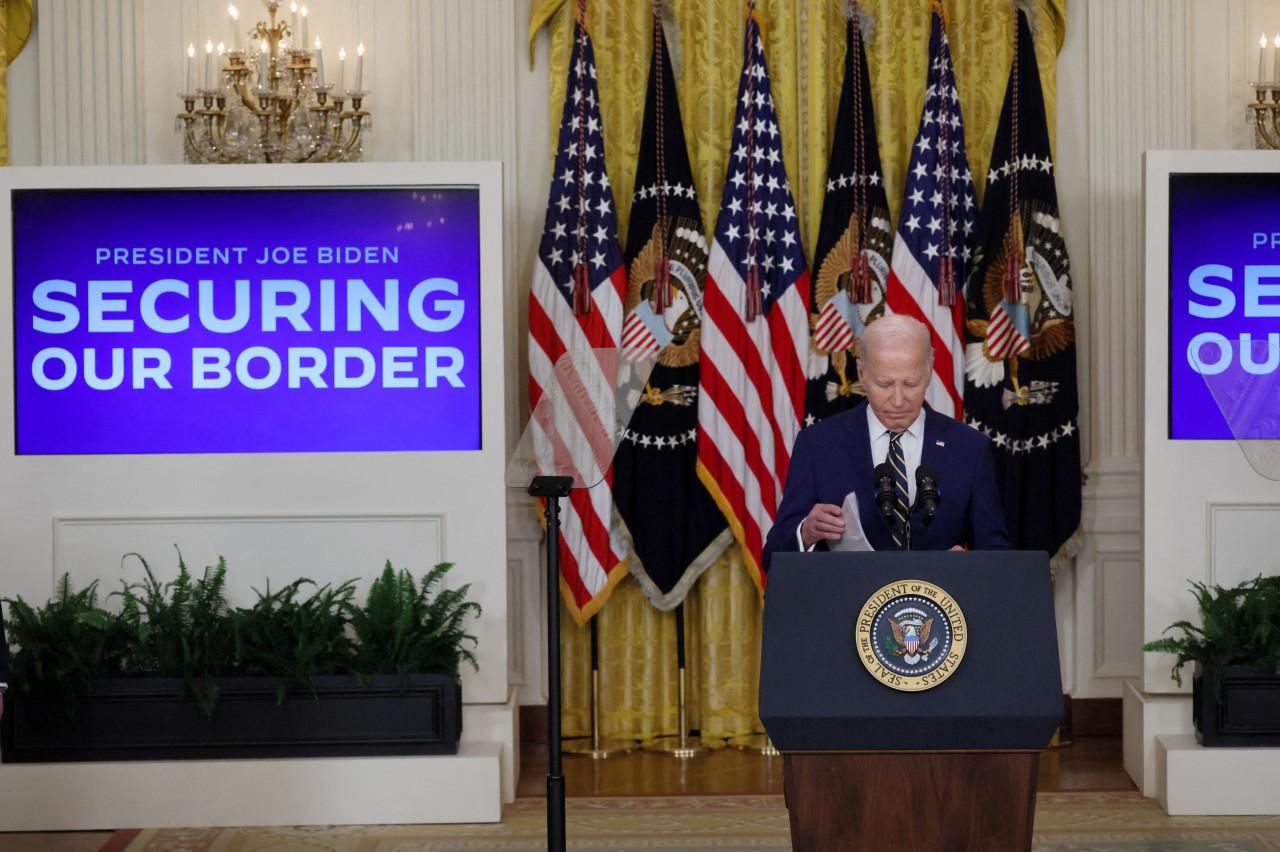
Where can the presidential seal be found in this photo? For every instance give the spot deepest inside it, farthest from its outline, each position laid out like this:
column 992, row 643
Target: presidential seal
column 911, row 635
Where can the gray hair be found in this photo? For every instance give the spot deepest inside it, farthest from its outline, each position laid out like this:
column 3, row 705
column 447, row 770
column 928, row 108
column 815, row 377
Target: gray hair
column 894, row 330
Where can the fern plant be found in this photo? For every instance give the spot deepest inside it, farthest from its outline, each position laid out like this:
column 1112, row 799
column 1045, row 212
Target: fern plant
column 1240, row 626
column 184, row 629
column 293, row 636
column 69, row 642
column 406, row 627
column 180, row 629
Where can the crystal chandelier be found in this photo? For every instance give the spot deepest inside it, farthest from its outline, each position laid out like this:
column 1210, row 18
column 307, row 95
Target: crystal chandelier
column 270, row 104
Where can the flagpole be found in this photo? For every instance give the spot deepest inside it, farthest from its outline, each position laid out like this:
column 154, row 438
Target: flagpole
column 596, row 747
column 682, row 745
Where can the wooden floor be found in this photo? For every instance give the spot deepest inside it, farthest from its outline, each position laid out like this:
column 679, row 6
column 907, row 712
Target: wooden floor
column 1089, row 763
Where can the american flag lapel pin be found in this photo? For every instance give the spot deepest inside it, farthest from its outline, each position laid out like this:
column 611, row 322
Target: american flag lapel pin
column 941, row 443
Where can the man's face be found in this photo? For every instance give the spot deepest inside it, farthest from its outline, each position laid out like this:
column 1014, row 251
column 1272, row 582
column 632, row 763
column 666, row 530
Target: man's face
column 895, row 380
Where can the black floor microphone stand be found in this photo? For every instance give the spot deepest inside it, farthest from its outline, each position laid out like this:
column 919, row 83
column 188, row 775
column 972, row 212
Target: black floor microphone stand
column 552, row 488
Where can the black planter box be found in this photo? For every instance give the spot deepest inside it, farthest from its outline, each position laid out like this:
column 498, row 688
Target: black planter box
column 143, row 719
column 1245, row 712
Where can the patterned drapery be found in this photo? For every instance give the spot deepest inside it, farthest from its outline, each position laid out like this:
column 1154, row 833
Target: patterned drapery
column 15, row 18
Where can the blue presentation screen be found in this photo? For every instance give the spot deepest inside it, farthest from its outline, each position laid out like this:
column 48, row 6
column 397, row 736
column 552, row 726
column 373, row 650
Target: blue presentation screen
column 1224, row 262
column 246, row 320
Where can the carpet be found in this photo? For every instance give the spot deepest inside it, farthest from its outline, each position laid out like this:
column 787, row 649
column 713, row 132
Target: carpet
column 1065, row 822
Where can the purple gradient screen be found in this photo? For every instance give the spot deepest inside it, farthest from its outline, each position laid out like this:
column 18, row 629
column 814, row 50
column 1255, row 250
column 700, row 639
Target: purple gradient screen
column 1224, row 266
column 246, row 320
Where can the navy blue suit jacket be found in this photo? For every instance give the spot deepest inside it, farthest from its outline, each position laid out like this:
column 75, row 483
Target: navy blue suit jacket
column 833, row 458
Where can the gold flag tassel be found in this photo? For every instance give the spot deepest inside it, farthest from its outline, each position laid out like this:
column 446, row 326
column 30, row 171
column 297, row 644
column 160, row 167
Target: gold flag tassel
column 581, row 289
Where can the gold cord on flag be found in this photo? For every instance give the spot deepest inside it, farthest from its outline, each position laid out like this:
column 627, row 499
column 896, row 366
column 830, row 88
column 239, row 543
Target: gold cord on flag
column 754, row 297
column 582, row 272
column 860, row 274
column 1013, row 252
column 662, row 274
column 946, row 269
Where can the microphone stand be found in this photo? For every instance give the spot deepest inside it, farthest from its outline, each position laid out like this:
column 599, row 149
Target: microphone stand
column 552, row 489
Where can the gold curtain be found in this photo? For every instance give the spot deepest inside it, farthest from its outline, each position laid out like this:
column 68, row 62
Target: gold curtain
column 804, row 47
column 15, row 18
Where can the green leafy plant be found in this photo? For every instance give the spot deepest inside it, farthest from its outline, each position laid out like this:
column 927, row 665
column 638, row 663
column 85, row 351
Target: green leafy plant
column 406, row 627
column 293, row 636
column 1241, row 626
column 180, row 629
column 184, row 629
column 68, row 643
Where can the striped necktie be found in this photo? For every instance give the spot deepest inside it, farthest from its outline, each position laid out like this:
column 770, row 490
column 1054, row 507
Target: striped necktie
column 899, row 461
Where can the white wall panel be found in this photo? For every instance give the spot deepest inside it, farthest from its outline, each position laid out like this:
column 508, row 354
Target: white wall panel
column 278, row 548
column 90, row 82
column 1241, row 542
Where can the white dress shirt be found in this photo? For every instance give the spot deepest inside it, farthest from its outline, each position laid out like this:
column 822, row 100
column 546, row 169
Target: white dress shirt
column 912, row 441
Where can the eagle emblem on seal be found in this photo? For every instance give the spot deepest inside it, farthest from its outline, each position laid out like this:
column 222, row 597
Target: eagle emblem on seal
column 1028, row 300
column 910, row 636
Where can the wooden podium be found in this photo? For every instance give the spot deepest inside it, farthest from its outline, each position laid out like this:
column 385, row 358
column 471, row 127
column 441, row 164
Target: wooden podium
column 870, row 767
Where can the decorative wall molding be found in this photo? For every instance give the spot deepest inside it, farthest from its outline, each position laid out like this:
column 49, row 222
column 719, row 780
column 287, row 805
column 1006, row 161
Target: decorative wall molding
column 1109, row 580
column 91, row 74
column 279, row 547
column 1117, row 627
column 526, row 598
column 1240, row 541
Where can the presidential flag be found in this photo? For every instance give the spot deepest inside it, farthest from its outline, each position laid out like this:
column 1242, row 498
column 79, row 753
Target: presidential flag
column 676, row 530
column 936, row 228
column 755, row 333
column 1020, row 353
column 576, row 303
column 854, row 240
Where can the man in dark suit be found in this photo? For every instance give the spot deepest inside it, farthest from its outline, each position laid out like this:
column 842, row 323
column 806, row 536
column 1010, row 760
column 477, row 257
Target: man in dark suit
column 838, row 456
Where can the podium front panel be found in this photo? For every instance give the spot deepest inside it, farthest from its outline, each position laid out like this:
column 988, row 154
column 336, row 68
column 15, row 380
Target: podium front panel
column 817, row 695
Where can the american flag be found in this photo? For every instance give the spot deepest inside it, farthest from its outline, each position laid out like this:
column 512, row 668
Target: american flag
column 936, row 229
column 755, row 335
column 575, row 303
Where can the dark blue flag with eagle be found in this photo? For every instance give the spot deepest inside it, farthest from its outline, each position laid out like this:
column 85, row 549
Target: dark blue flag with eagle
column 855, row 239
column 676, row 530
column 1020, row 343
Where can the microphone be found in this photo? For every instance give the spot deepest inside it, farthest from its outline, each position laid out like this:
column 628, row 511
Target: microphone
column 927, row 496
column 886, row 492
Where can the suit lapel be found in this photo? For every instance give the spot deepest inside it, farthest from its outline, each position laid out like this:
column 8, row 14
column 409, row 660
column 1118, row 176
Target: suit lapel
column 936, row 427
column 859, row 444
column 934, row 450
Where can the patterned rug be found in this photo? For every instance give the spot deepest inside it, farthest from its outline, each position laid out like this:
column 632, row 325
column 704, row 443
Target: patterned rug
column 1065, row 822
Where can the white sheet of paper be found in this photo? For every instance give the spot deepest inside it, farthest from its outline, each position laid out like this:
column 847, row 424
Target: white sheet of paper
column 854, row 538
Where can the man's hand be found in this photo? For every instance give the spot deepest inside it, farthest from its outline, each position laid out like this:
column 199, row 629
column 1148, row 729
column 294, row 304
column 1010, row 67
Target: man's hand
column 824, row 521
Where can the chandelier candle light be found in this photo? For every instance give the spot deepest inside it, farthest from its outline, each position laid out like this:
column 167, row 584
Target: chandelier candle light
column 273, row 105
column 1265, row 114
